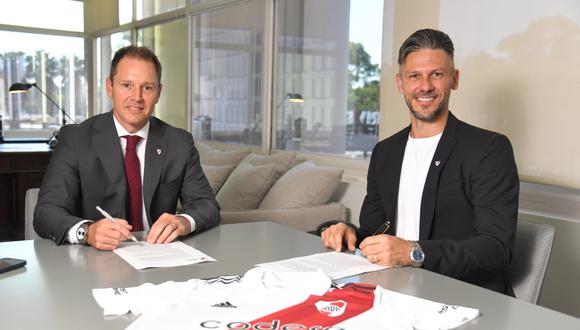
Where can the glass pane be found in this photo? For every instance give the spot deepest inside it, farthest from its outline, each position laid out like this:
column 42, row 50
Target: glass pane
column 330, row 67
column 105, row 49
column 63, row 14
column 169, row 41
column 56, row 65
column 147, row 8
column 125, row 11
column 227, row 73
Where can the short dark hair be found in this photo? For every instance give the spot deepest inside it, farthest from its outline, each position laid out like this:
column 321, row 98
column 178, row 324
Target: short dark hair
column 139, row 52
column 426, row 39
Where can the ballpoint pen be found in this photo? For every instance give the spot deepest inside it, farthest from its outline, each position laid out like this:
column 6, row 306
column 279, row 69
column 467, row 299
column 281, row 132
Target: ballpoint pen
column 383, row 228
column 108, row 216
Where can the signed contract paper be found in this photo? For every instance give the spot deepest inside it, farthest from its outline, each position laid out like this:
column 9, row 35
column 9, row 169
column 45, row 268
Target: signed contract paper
column 335, row 264
column 144, row 255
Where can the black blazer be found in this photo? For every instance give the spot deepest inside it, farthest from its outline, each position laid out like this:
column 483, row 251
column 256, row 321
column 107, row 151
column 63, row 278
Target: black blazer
column 469, row 205
column 87, row 169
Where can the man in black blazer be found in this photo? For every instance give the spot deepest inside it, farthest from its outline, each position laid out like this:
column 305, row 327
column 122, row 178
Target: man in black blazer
column 449, row 190
column 87, row 169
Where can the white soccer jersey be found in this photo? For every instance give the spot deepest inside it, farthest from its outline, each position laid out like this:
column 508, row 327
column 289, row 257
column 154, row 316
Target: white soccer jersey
column 263, row 300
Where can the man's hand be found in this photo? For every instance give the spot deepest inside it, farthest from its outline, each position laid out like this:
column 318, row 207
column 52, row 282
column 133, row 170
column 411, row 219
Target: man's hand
column 167, row 228
column 386, row 250
column 105, row 234
column 335, row 235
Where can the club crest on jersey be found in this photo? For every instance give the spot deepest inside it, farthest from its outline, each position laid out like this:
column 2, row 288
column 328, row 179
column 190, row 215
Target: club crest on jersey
column 331, row 308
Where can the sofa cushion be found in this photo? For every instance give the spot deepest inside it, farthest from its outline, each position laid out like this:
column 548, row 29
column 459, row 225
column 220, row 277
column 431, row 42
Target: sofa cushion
column 246, row 186
column 213, row 156
column 303, row 218
column 282, row 161
column 303, row 185
column 216, row 175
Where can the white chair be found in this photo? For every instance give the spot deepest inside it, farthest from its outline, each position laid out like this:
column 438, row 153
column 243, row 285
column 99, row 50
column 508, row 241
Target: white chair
column 30, row 200
column 532, row 249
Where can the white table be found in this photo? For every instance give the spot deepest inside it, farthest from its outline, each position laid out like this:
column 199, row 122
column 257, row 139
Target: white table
column 54, row 290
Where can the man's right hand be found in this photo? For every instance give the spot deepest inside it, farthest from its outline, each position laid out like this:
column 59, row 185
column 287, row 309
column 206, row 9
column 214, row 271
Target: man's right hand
column 107, row 235
column 335, row 235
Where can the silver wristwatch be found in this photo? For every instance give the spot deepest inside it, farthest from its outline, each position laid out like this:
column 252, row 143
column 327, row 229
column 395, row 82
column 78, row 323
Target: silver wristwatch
column 82, row 232
column 417, row 255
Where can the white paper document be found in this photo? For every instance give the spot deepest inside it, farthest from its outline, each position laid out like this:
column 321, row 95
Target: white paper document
column 335, row 264
column 145, row 255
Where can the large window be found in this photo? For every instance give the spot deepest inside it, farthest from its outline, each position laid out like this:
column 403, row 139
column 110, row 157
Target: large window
column 331, row 70
column 45, row 53
column 227, row 73
column 329, row 65
column 56, row 65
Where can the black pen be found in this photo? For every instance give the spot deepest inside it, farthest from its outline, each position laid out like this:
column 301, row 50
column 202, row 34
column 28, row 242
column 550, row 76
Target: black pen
column 383, row 228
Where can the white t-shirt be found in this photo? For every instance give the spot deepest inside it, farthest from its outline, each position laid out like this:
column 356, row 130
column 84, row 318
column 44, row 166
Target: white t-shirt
column 416, row 162
column 268, row 300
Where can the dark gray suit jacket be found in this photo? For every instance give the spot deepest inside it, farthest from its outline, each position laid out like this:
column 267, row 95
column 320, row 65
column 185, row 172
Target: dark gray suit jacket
column 469, row 205
column 87, row 169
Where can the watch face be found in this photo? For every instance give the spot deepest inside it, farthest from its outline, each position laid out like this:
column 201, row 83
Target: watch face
column 81, row 232
column 417, row 255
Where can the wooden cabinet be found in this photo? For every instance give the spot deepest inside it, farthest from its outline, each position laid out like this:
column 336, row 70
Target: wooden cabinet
column 22, row 166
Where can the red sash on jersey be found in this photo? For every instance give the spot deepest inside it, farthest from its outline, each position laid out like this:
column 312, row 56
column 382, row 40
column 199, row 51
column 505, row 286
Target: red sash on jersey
column 319, row 312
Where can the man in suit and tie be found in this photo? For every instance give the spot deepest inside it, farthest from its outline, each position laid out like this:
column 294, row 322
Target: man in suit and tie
column 129, row 163
column 449, row 190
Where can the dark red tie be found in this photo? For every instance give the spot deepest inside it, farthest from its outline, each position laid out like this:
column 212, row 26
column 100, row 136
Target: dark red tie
column 133, row 172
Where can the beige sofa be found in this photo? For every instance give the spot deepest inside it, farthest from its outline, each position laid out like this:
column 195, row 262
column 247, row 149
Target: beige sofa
column 253, row 187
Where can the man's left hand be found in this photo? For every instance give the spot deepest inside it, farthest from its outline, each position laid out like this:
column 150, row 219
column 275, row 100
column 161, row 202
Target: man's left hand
column 387, row 250
column 167, row 228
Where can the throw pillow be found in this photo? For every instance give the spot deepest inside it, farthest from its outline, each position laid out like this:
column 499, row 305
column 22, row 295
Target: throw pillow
column 303, row 185
column 213, row 156
column 216, row 175
column 246, row 186
column 282, row 161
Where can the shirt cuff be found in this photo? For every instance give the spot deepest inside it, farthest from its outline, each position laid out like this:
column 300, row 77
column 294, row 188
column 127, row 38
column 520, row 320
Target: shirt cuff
column 72, row 233
column 190, row 219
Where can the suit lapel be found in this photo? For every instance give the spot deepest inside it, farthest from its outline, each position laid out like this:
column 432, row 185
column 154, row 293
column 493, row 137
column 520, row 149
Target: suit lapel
column 444, row 148
column 154, row 158
column 108, row 149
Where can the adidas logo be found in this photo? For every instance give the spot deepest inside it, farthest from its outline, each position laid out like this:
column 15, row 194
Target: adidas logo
column 225, row 304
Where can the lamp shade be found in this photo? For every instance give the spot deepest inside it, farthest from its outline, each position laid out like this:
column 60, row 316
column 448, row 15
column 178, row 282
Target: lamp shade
column 20, row 87
column 295, row 98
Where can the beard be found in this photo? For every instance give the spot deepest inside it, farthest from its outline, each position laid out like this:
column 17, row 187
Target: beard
column 432, row 116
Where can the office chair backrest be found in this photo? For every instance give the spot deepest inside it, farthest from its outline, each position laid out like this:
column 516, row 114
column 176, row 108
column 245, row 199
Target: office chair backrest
column 530, row 260
column 30, row 200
